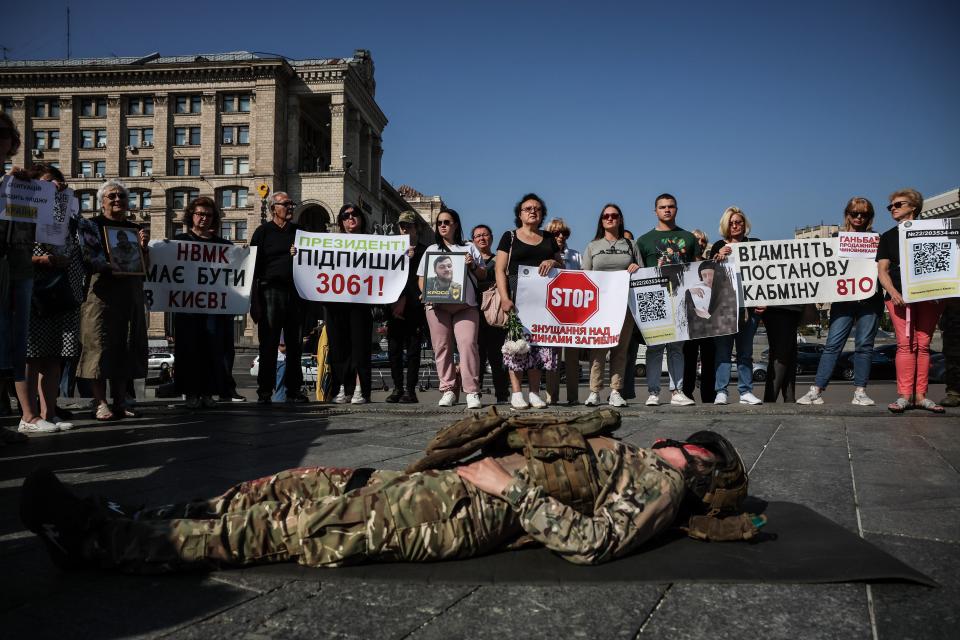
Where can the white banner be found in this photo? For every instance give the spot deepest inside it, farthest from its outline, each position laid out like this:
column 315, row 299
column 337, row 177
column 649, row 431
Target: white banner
column 858, row 245
column 348, row 267
column 779, row 272
column 685, row 301
column 199, row 277
column 930, row 259
column 31, row 201
column 583, row 309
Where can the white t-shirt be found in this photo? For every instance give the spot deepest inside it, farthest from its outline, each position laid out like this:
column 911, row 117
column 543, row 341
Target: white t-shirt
column 470, row 292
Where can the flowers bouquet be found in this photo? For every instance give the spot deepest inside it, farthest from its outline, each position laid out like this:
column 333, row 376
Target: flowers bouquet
column 515, row 347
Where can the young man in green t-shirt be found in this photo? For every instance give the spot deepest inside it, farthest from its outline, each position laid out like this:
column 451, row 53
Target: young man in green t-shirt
column 666, row 244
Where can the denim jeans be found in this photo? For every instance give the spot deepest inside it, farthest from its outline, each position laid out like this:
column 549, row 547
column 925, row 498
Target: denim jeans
column 14, row 322
column 674, row 366
column 744, row 342
column 844, row 317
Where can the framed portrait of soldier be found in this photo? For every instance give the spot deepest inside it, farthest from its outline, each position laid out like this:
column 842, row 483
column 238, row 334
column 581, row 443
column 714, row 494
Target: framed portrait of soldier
column 445, row 274
column 123, row 251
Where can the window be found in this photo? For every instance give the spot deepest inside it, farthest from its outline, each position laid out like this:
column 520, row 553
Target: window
column 243, row 165
column 53, row 138
column 101, row 138
column 233, row 197
column 236, row 103
column 93, row 107
column 139, row 199
column 49, row 139
column 226, row 230
column 187, row 166
column 87, row 200
column 186, row 136
column 140, row 106
column 86, row 138
column 90, row 138
column 100, row 168
column 86, row 169
column 236, row 134
column 179, row 198
column 6, row 105
column 240, row 230
column 232, row 166
column 140, row 137
column 139, row 168
column 188, row 104
column 46, row 108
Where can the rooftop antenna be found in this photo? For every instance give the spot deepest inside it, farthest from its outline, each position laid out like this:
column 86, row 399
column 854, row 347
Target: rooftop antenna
column 4, row 50
column 68, row 32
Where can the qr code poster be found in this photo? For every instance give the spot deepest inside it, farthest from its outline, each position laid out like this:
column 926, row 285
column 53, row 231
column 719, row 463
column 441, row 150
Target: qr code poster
column 683, row 302
column 930, row 259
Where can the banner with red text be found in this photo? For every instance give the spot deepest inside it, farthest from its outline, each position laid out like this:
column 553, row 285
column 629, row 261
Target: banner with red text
column 582, row 309
column 350, row 267
column 199, row 277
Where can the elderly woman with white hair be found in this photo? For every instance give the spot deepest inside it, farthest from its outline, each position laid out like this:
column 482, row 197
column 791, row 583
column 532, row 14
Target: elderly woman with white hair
column 113, row 328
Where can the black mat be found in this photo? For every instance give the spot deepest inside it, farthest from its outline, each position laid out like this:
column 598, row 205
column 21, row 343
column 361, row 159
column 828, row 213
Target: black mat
column 808, row 548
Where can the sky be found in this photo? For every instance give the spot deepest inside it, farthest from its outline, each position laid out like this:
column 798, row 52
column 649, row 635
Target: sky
column 783, row 109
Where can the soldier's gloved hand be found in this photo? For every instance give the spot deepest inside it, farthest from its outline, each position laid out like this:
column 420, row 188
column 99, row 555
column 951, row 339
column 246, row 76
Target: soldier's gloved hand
column 487, row 475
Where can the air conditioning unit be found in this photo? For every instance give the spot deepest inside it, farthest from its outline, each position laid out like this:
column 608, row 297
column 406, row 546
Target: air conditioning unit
column 101, row 145
column 80, row 175
column 98, row 175
column 228, row 141
column 148, row 145
column 36, row 153
column 131, row 148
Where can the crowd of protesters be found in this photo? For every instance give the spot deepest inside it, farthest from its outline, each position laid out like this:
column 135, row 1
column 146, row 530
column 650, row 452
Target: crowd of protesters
column 69, row 311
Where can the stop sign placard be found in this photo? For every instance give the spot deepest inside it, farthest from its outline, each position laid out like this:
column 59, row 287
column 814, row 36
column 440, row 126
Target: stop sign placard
column 572, row 297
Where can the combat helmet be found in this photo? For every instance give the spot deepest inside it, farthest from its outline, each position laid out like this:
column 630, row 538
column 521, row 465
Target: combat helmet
column 718, row 487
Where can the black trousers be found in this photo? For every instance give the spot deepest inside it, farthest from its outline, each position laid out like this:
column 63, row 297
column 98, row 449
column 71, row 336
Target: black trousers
column 405, row 337
column 704, row 348
column 489, row 343
column 281, row 313
column 781, row 327
column 350, row 334
column 203, row 353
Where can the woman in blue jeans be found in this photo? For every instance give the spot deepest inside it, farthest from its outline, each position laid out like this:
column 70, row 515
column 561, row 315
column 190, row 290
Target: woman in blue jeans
column 861, row 317
column 734, row 228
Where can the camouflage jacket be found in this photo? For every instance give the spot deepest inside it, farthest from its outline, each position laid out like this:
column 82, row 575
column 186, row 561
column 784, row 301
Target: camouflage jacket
column 639, row 497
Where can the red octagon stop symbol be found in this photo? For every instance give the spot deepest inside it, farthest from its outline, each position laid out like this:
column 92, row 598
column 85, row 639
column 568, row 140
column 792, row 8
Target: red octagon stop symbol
column 572, row 297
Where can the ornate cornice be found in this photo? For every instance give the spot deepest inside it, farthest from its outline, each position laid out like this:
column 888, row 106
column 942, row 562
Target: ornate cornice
column 112, row 77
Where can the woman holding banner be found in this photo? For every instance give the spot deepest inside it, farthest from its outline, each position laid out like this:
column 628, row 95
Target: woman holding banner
column 528, row 246
column 350, row 330
column 204, row 341
column 734, row 228
column 610, row 251
column 914, row 322
column 862, row 317
column 454, row 321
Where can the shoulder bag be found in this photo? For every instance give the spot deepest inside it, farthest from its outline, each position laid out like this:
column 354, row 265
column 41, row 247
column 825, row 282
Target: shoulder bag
column 490, row 299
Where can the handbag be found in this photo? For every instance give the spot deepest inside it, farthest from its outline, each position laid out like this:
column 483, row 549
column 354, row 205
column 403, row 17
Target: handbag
column 490, row 307
column 52, row 295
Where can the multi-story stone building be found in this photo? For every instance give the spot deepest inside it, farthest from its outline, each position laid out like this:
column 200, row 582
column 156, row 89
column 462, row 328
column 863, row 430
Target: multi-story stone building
column 176, row 127
column 815, row 231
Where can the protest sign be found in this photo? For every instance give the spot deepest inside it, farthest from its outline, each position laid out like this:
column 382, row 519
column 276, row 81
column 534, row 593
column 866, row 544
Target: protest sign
column 779, row 272
column 123, row 251
column 349, row 267
column 858, row 245
column 445, row 277
column 26, row 200
column 199, row 277
column 684, row 301
column 572, row 308
column 54, row 231
column 930, row 259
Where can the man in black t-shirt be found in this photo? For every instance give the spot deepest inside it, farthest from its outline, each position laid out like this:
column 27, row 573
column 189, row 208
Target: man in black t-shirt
column 280, row 305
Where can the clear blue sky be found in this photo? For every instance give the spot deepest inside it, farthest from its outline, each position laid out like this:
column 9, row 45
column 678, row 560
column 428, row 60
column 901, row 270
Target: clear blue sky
column 783, row 110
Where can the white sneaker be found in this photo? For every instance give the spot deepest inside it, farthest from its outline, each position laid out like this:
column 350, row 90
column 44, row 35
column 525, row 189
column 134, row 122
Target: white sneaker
column 517, row 401
column 473, row 401
column 358, row 399
column 615, row 399
column 548, row 397
column 535, row 401
column 721, row 398
column 680, row 400
column 447, row 400
column 811, row 397
column 63, row 425
column 861, row 398
column 749, row 398
column 357, row 395
column 40, row 426
column 592, row 400
column 341, row 397
column 653, row 400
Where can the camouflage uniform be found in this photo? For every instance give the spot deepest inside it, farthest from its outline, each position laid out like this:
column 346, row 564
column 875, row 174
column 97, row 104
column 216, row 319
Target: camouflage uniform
column 304, row 514
column 950, row 325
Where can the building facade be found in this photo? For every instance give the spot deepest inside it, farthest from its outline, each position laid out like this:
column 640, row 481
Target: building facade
column 815, row 231
column 176, row 127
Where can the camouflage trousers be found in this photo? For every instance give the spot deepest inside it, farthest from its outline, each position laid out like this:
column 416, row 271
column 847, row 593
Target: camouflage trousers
column 305, row 515
column 950, row 324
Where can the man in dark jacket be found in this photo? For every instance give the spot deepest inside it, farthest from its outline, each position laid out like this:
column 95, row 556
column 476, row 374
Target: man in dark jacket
column 406, row 321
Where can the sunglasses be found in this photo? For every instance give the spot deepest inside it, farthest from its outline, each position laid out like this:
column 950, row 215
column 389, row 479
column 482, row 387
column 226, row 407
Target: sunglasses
column 858, row 214
column 116, row 196
column 444, row 223
column 349, row 214
column 611, row 216
column 899, row 204
column 203, row 214
column 561, row 234
column 289, row 204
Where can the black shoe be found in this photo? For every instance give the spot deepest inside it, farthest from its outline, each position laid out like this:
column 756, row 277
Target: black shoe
column 297, row 399
column 395, row 396
column 409, row 398
column 59, row 518
column 64, row 414
column 264, row 400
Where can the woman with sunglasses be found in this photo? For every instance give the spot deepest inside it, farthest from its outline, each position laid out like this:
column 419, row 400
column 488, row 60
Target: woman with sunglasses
column 458, row 322
column 350, row 330
column 526, row 246
column 862, row 317
column 914, row 322
column 113, row 328
column 610, row 251
column 734, row 228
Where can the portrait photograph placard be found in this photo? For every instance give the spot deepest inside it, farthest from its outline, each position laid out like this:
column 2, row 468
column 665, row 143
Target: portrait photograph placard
column 123, row 251
column 444, row 281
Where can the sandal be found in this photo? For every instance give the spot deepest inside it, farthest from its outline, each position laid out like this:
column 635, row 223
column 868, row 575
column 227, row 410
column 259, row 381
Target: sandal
column 930, row 405
column 103, row 413
column 899, row 406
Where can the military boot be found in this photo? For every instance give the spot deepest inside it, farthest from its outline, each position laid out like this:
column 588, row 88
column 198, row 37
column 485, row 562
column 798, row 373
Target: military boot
column 61, row 519
column 952, row 399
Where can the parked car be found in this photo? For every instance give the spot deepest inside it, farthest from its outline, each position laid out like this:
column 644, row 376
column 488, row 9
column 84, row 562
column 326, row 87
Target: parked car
column 759, row 369
column 160, row 361
column 883, row 364
column 808, row 357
